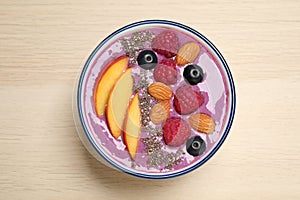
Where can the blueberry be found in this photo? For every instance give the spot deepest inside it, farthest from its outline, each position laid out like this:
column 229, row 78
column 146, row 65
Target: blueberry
column 193, row 74
column 195, row 146
column 147, row 59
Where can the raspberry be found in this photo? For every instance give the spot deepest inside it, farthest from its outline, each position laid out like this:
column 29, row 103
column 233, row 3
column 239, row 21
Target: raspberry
column 166, row 72
column 175, row 131
column 186, row 100
column 166, row 43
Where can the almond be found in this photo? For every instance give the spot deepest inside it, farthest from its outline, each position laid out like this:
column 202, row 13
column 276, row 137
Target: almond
column 160, row 91
column 160, row 112
column 202, row 123
column 187, row 53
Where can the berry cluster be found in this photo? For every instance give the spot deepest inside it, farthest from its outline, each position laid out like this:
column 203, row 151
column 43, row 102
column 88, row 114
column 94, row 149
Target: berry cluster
column 165, row 59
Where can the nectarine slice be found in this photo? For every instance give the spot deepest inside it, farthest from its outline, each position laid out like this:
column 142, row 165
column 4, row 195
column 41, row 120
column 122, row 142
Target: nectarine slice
column 118, row 102
column 107, row 81
column 132, row 126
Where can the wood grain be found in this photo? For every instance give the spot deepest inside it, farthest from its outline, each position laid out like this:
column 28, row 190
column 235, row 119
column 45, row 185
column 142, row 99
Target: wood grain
column 43, row 45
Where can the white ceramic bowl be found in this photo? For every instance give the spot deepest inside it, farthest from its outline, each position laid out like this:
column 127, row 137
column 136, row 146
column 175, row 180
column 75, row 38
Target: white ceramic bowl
column 217, row 89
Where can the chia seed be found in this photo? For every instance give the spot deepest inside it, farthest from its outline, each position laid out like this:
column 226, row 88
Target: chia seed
column 152, row 145
column 153, row 131
column 157, row 156
column 138, row 41
column 173, row 159
column 146, row 101
column 133, row 165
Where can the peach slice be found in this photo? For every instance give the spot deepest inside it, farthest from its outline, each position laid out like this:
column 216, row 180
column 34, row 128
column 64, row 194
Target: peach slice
column 107, row 82
column 132, row 126
column 118, row 101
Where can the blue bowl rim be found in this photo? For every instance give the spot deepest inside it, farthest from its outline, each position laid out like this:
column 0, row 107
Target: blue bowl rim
column 231, row 115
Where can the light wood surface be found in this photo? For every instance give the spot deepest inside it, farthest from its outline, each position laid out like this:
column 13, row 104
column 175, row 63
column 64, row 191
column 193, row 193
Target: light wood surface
column 43, row 45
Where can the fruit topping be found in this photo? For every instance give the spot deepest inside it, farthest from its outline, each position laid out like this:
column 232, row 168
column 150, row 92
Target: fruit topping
column 195, row 146
column 160, row 112
column 166, row 43
column 160, row 91
column 175, row 131
column 106, row 83
column 193, row 74
column 147, row 59
column 166, row 72
column 187, row 53
column 202, row 123
column 132, row 126
column 118, row 102
column 186, row 100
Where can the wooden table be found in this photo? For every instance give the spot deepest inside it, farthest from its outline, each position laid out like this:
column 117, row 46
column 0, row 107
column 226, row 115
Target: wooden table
column 43, row 45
